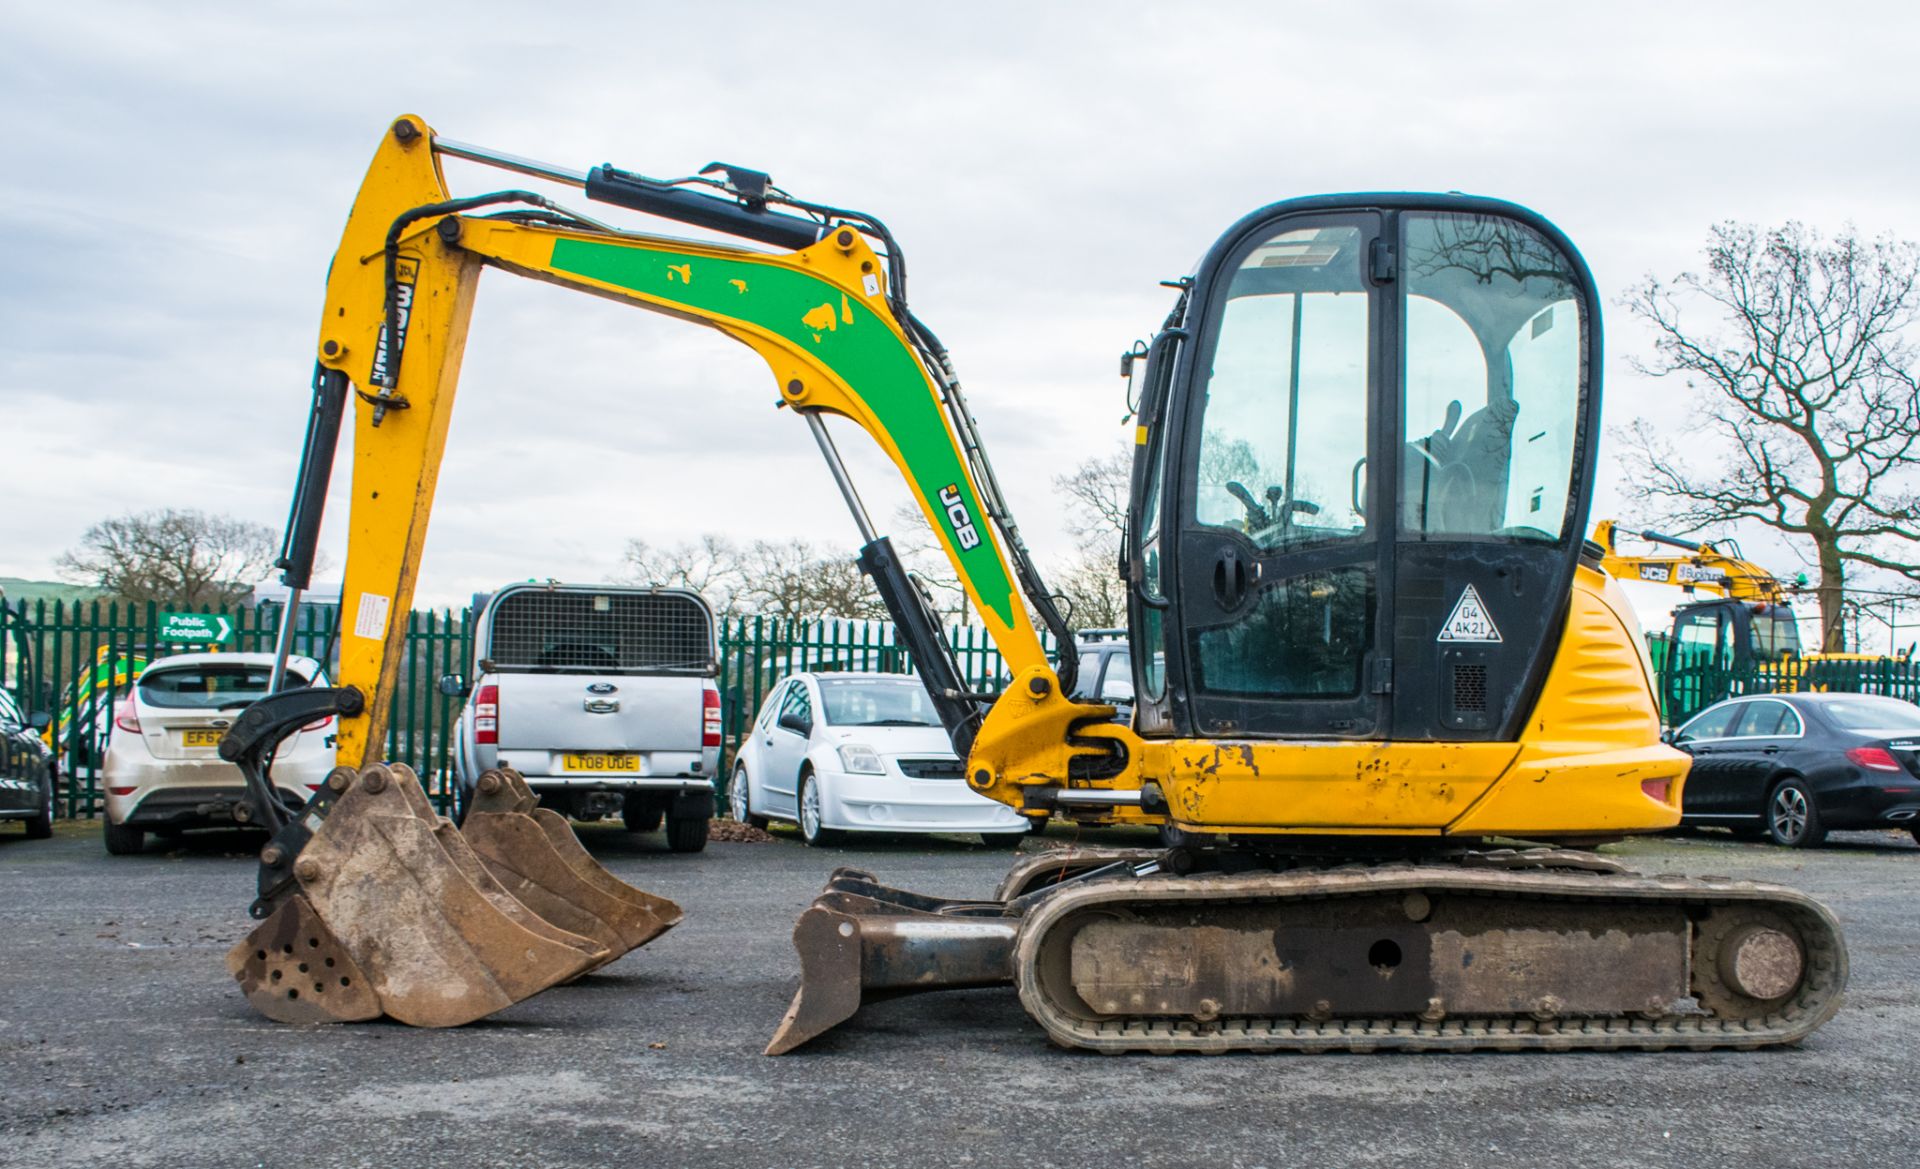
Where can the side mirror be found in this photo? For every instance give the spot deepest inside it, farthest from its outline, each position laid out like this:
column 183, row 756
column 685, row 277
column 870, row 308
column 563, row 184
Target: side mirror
column 797, row 723
column 1669, row 736
column 454, row 686
column 40, row 720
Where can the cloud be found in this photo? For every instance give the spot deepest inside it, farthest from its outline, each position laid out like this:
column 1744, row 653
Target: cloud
column 178, row 176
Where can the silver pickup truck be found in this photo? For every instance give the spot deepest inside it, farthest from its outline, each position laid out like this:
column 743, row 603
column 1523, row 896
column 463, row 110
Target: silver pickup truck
column 603, row 697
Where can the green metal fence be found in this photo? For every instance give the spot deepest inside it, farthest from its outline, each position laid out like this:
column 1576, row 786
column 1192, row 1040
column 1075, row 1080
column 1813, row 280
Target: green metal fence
column 75, row 660
column 1692, row 679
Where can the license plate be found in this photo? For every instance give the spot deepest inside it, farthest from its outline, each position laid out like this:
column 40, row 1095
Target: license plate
column 600, row 761
column 200, row 738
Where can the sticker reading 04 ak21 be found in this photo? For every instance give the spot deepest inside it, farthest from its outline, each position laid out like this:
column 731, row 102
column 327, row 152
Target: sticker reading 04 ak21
column 1469, row 620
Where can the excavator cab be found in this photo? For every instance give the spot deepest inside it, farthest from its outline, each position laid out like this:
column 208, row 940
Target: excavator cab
column 1716, row 646
column 1366, row 468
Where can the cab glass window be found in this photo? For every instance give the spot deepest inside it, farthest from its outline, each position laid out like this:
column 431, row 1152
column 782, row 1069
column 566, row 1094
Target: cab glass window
column 1283, row 439
column 1303, row 637
column 1495, row 362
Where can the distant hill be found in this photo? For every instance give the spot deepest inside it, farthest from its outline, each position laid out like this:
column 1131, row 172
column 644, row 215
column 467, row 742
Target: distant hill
column 49, row 591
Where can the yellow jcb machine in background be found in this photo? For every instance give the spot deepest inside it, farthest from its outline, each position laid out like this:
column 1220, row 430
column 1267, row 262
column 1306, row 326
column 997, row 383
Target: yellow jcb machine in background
column 1365, row 640
column 1745, row 624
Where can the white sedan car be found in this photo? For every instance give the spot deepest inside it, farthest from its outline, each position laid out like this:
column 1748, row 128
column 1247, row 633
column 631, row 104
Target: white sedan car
column 839, row 753
column 163, row 770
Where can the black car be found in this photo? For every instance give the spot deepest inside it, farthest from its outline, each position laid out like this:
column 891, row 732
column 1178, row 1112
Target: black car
column 1795, row 766
column 26, row 770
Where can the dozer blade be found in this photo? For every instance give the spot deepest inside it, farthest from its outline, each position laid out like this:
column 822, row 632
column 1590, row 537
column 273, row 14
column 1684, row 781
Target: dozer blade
column 535, row 855
column 407, row 914
column 861, row 939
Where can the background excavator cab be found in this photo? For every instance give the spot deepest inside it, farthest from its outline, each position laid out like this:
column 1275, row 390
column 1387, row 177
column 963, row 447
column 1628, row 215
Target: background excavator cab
column 1359, row 501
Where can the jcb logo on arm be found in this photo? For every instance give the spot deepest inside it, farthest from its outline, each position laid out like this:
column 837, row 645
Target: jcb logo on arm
column 964, row 532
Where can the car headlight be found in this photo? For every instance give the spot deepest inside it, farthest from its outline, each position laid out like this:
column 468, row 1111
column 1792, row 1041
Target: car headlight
column 861, row 759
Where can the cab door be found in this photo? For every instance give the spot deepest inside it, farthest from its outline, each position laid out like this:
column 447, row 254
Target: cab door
column 1281, row 557
column 1379, row 455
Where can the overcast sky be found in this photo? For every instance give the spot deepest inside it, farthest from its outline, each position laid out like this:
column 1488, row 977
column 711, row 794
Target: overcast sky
column 175, row 177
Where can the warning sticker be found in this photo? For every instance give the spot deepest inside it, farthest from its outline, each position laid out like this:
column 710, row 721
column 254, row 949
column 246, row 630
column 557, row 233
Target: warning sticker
column 1470, row 620
column 371, row 620
column 870, row 284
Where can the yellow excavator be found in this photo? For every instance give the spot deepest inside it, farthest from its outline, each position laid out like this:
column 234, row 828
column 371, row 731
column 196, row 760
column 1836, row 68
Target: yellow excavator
column 1745, row 623
column 1372, row 652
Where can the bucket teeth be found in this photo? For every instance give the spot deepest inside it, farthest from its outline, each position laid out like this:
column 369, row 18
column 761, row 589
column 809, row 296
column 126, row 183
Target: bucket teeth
column 412, row 919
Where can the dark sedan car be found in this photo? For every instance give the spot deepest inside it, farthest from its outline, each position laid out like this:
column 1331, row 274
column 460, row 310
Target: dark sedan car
column 26, row 771
column 1795, row 766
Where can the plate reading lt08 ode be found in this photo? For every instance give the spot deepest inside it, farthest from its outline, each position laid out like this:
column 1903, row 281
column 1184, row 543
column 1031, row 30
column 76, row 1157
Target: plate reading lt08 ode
column 600, row 761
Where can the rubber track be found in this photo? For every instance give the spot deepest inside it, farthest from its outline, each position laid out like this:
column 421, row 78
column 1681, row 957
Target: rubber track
column 1812, row 1005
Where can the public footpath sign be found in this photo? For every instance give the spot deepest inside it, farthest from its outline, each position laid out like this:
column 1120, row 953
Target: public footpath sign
column 195, row 629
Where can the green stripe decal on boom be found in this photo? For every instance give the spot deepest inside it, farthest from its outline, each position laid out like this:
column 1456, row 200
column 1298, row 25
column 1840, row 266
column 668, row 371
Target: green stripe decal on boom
column 843, row 334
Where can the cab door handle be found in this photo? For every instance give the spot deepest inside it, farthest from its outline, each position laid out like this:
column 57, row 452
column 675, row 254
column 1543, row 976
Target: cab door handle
column 1229, row 580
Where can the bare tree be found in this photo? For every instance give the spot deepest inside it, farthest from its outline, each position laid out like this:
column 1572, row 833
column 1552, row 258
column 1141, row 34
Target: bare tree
column 1089, row 580
column 173, row 557
column 795, row 579
column 711, row 566
column 1810, row 407
column 792, row 578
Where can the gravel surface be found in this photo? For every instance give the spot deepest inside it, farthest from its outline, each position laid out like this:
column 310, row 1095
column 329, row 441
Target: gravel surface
column 123, row 1043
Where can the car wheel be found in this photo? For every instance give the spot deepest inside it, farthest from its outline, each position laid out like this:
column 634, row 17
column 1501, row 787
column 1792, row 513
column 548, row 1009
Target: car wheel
column 1792, row 819
column 40, row 827
column 642, row 814
column 812, row 830
column 687, row 833
column 120, row 839
column 1915, row 830
column 462, row 801
column 740, row 800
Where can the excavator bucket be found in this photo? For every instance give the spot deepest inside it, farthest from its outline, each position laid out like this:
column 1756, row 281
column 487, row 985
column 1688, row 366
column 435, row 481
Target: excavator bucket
column 533, row 853
column 391, row 912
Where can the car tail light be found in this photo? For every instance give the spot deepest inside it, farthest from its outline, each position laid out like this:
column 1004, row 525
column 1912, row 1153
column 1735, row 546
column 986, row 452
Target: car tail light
column 125, row 716
column 120, row 791
column 486, row 714
column 1874, row 758
column 710, row 717
column 322, row 725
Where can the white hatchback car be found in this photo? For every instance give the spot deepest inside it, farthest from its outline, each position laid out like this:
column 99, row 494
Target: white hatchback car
column 163, row 770
column 841, row 753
